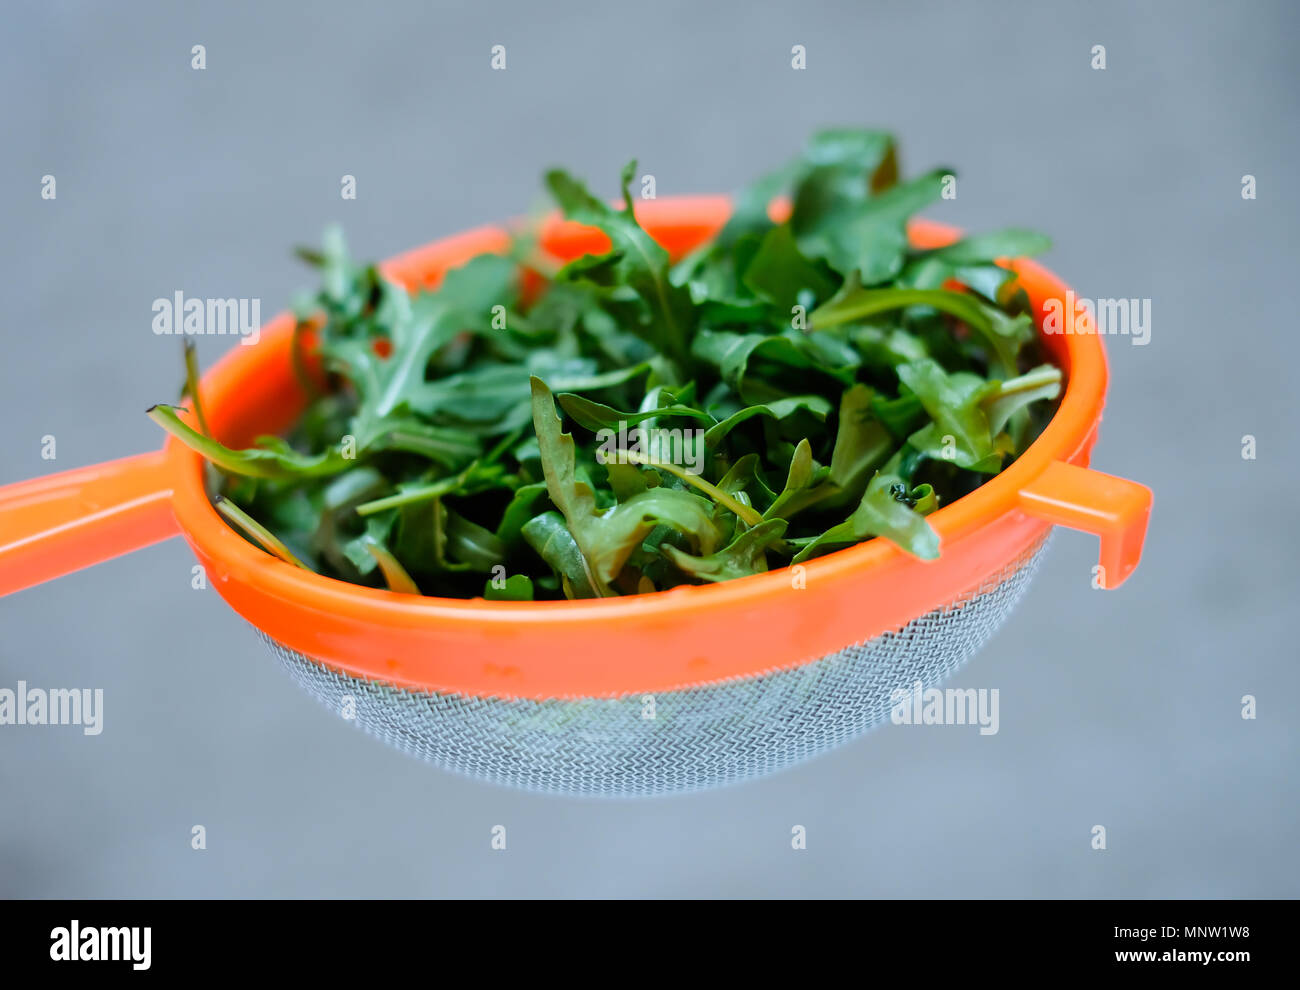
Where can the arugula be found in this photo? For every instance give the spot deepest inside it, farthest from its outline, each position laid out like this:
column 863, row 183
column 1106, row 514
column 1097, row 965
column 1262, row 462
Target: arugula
column 629, row 421
column 637, row 262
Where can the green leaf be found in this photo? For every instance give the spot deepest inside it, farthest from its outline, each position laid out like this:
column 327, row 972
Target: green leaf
column 450, row 446
column 981, row 248
column 275, row 460
column 739, row 475
column 781, row 274
column 516, row 588
column 733, row 353
column 862, row 443
column 888, row 348
column 417, row 328
column 550, row 537
column 1004, row 334
column 462, row 544
column 880, row 513
column 637, row 260
column 869, row 236
column 378, row 529
column 1013, row 395
column 745, row 555
column 798, row 479
column 955, row 406
column 572, row 496
column 595, row 416
column 778, row 409
column 620, row 530
column 520, row 509
column 841, row 168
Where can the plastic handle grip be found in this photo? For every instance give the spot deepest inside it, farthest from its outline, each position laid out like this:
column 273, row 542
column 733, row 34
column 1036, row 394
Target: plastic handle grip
column 1114, row 508
column 63, row 522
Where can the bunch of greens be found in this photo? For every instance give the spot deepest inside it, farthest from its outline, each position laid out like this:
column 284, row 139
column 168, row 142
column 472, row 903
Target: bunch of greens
column 798, row 387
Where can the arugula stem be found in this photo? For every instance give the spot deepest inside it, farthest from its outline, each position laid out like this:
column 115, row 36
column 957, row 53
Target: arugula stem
column 298, row 357
column 254, row 462
column 955, row 303
column 395, row 575
column 1030, row 380
column 251, row 527
column 741, row 510
column 169, row 419
column 436, row 490
column 192, row 384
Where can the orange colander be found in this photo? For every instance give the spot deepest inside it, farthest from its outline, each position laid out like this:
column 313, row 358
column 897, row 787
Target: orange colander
column 677, row 690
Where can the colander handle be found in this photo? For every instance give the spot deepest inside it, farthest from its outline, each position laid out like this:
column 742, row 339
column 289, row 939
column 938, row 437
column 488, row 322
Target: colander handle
column 1113, row 508
column 63, row 522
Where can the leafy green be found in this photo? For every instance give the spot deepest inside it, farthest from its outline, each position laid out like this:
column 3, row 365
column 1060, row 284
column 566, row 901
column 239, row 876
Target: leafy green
column 256, row 531
column 1003, row 334
column 636, row 261
column 888, row 509
column 515, row 588
column 781, row 274
column 954, row 404
column 273, row 459
column 868, row 236
column 745, row 555
column 640, row 421
column 1009, row 243
column 395, row 575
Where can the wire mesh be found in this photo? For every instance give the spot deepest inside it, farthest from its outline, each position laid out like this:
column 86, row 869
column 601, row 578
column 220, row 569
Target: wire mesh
column 686, row 740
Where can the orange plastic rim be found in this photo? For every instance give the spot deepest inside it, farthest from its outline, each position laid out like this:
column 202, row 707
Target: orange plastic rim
column 608, row 647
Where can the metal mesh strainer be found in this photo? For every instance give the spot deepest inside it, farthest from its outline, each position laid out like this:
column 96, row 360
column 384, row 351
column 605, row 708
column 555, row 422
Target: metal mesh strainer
column 549, row 695
column 700, row 737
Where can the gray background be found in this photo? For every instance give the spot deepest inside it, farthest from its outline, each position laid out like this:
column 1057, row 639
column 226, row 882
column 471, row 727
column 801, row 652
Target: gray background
column 1121, row 709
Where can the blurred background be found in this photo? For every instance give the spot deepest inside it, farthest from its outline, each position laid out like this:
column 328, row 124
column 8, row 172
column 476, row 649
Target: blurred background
column 1121, row 709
